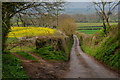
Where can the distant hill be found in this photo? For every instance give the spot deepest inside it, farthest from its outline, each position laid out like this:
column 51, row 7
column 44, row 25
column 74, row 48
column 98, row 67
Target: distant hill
column 79, row 11
column 81, row 8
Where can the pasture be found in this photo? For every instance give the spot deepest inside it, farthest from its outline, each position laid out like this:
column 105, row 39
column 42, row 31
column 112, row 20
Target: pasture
column 90, row 28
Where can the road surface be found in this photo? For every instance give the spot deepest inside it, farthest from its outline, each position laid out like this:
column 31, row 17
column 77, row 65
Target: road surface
column 83, row 66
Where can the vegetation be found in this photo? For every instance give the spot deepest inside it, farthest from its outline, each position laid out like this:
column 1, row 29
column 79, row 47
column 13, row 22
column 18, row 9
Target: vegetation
column 88, row 31
column 90, row 28
column 104, row 48
column 47, row 52
column 11, row 39
column 26, row 48
column 92, row 24
column 66, row 25
column 104, row 14
column 9, row 10
column 91, row 18
column 52, row 53
column 26, row 55
column 11, row 67
column 38, row 37
column 29, row 31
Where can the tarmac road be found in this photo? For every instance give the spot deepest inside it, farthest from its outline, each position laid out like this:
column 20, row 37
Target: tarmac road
column 83, row 66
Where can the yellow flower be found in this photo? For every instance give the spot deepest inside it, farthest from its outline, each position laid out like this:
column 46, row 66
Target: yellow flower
column 30, row 31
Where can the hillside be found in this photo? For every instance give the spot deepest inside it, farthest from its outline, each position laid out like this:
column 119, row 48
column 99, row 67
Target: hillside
column 104, row 48
column 79, row 11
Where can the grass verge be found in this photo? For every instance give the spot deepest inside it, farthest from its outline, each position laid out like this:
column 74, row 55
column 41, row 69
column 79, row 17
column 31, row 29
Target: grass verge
column 11, row 67
column 26, row 55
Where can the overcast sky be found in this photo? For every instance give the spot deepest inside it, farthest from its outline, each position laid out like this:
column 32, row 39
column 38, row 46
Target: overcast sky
column 89, row 0
column 55, row 0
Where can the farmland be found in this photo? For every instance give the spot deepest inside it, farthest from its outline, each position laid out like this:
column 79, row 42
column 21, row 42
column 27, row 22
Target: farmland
column 88, row 31
column 19, row 32
column 90, row 28
column 91, row 24
column 29, row 31
column 21, row 40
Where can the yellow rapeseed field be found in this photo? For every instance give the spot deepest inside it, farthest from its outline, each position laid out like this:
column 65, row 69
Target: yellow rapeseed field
column 30, row 31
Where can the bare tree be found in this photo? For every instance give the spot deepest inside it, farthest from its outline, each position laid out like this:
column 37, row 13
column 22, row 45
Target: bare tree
column 58, row 10
column 100, row 7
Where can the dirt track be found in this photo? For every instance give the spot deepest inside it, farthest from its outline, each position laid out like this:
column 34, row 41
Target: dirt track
column 83, row 66
column 41, row 68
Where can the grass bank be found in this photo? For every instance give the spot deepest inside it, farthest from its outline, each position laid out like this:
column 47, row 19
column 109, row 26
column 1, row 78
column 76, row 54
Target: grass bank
column 104, row 48
column 50, row 53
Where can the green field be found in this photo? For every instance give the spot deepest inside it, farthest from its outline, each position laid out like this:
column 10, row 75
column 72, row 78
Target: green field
column 88, row 31
column 89, row 26
column 92, row 24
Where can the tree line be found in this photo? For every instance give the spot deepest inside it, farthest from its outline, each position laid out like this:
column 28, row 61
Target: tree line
column 89, row 18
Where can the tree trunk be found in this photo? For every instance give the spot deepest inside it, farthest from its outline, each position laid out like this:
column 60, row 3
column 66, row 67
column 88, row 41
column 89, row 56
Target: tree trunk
column 108, row 23
column 106, row 18
column 5, row 31
column 57, row 18
column 17, row 23
column 104, row 26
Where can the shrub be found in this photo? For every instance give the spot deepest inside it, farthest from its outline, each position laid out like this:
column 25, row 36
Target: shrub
column 50, row 53
column 67, row 25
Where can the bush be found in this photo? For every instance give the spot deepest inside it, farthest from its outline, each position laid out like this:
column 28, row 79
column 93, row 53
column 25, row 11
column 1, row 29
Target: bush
column 58, row 42
column 50, row 53
column 66, row 25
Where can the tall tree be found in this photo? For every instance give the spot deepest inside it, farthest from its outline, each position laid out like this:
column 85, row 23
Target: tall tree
column 58, row 8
